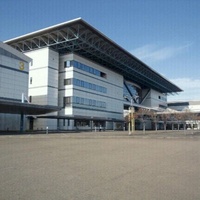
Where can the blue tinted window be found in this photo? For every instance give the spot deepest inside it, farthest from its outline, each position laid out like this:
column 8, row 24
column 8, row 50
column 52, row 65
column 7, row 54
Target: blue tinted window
column 76, row 64
column 94, row 103
column 77, row 100
column 93, row 86
column 86, row 84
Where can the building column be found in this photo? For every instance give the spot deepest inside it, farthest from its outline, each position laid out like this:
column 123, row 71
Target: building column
column 21, row 122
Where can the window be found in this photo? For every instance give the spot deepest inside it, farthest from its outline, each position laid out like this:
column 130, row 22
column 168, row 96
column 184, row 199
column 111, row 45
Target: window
column 93, row 86
column 67, row 81
column 93, row 102
column 82, row 100
column 30, row 99
column 66, row 101
column 67, row 63
column 78, row 65
column 81, row 122
column 86, row 84
column 96, row 72
column 75, row 63
column 103, row 75
column 77, row 100
column 31, row 80
column 91, row 70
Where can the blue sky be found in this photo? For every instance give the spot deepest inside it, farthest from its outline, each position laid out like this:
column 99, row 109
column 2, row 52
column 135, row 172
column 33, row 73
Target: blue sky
column 164, row 34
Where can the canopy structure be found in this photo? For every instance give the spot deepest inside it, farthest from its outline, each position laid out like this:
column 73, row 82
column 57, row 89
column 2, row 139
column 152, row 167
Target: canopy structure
column 79, row 37
column 14, row 107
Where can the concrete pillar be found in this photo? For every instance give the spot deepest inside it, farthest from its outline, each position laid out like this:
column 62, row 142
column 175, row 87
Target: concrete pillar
column 21, row 122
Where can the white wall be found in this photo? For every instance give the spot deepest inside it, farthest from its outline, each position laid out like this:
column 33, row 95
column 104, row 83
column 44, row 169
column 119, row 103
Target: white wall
column 43, row 76
column 113, row 82
column 44, row 86
column 154, row 99
column 13, row 80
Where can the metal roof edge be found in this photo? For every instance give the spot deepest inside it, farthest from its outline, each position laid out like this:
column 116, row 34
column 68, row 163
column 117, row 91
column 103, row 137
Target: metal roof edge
column 15, row 52
column 90, row 27
column 43, row 30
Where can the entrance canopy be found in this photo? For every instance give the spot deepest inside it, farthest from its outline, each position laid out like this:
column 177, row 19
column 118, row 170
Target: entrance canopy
column 14, row 107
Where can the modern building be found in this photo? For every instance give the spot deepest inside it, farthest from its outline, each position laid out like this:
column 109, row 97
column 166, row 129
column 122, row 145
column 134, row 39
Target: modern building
column 14, row 76
column 191, row 108
column 14, row 70
column 92, row 78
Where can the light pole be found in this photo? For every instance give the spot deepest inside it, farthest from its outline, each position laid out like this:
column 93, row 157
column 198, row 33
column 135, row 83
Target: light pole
column 131, row 125
column 132, row 119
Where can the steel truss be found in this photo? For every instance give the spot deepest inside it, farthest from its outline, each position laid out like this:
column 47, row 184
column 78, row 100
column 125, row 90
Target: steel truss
column 81, row 38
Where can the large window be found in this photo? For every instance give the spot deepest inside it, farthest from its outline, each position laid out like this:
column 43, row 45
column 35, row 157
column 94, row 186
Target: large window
column 131, row 92
column 78, row 65
column 68, row 101
column 88, row 85
column 82, row 122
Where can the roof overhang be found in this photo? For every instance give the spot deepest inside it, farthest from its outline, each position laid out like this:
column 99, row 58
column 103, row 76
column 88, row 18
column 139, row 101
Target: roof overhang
column 79, row 117
column 79, row 37
column 14, row 107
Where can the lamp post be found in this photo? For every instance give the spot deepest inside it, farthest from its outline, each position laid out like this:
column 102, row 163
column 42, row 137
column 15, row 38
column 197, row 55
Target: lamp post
column 131, row 125
column 129, row 122
column 132, row 119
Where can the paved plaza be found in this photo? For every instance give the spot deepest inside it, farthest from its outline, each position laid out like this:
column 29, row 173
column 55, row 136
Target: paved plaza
column 97, row 166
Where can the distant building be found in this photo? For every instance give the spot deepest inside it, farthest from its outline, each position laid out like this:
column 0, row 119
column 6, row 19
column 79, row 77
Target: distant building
column 192, row 107
column 93, row 79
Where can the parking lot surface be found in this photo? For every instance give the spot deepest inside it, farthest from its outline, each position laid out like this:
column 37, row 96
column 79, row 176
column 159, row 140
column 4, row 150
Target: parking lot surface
column 96, row 166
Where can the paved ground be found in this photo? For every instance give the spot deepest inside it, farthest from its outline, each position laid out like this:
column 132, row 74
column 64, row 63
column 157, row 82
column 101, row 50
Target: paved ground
column 96, row 166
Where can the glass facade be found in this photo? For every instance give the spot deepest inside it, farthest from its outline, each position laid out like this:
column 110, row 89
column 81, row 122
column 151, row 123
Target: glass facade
column 130, row 92
column 85, row 84
column 86, row 68
column 68, row 101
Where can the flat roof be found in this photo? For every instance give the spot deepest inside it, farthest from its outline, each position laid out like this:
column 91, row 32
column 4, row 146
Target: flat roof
column 81, row 38
column 15, row 52
column 13, row 107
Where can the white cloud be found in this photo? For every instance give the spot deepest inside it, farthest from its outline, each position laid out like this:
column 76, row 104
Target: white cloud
column 187, row 83
column 190, row 87
column 152, row 52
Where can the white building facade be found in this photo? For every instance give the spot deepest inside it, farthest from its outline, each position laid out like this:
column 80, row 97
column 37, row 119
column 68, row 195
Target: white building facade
column 92, row 78
column 14, row 73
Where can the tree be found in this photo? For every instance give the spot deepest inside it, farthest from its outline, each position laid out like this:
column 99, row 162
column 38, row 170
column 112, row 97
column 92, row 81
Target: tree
column 154, row 117
column 165, row 117
column 142, row 115
column 192, row 118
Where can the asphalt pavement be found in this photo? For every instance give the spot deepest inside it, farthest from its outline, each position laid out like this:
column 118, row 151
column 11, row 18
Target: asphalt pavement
column 100, row 165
